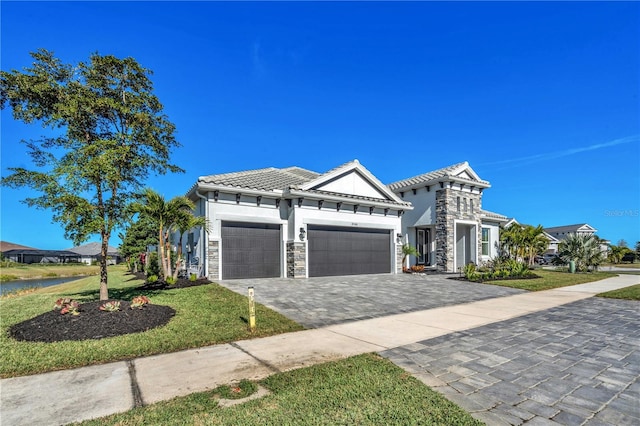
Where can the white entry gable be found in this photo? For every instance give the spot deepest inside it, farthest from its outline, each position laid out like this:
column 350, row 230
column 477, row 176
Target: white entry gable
column 351, row 179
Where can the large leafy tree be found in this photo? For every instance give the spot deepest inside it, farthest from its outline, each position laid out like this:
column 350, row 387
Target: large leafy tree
column 108, row 133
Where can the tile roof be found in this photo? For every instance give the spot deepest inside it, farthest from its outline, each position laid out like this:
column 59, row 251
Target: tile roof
column 6, row 246
column 444, row 172
column 492, row 215
column 267, row 179
column 91, row 249
column 568, row 228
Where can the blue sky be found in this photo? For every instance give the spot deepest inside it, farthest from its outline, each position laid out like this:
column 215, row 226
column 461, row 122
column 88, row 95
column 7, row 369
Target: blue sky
column 541, row 98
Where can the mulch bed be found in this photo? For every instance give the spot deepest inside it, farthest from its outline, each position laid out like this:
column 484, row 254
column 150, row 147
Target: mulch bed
column 528, row 277
column 92, row 323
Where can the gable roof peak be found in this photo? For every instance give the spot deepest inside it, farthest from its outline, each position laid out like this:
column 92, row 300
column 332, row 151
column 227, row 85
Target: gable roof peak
column 450, row 172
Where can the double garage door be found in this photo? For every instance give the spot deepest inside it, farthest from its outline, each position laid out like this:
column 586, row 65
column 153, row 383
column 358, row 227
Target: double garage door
column 348, row 251
column 254, row 251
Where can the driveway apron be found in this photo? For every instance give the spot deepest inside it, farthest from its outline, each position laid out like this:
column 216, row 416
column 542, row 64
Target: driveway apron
column 322, row 301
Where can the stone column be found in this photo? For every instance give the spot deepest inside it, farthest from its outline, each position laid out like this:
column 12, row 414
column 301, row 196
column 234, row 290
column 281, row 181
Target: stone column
column 213, row 260
column 296, row 259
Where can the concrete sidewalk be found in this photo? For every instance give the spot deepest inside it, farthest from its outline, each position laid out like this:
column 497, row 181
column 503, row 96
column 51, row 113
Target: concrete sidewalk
column 73, row 395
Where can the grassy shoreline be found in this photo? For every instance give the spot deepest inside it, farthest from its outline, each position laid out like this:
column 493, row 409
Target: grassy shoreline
column 17, row 272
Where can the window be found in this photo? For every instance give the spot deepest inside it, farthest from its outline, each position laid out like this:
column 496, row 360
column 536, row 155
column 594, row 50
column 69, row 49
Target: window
column 485, row 241
column 471, row 205
column 458, row 203
column 465, row 205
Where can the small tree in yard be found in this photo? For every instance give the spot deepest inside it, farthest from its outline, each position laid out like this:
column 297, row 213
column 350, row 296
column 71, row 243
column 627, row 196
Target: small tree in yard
column 408, row 250
column 135, row 240
column 166, row 215
column 109, row 134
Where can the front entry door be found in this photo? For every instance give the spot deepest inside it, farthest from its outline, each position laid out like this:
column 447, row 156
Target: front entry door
column 422, row 244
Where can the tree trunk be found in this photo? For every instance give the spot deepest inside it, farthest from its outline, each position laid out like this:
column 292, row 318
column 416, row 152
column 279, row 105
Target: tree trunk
column 163, row 266
column 104, row 249
column 178, row 258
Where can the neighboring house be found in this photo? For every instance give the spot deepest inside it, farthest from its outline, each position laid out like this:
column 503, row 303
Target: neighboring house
column 24, row 254
column 296, row 223
column 40, row 256
column 448, row 225
column 559, row 233
column 90, row 253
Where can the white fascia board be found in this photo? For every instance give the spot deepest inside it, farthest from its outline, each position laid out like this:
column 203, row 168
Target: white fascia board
column 327, row 197
column 236, row 190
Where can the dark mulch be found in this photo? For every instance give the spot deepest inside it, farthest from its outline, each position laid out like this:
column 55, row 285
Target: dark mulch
column 161, row 285
column 528, row 277
column 92, row 323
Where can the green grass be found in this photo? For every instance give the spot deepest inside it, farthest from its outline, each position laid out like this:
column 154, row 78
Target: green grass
column 16, row 271
column 628, row 293
column 205, row 315
column 552, row 279
column 362, row 390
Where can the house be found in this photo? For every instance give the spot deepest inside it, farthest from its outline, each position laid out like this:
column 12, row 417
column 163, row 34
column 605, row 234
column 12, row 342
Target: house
column 448, row 224
column 24, row 254
column 559, row 233
column 296, row 223
column 90, row 252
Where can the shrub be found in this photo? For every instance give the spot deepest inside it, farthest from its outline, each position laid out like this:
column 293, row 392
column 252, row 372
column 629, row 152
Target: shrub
column 171, row 280
column 153, row 266
column 67, row 306
column 139, row 302
column 417, row 268
column 193, row 277
column 152, row 279
column 110, row 306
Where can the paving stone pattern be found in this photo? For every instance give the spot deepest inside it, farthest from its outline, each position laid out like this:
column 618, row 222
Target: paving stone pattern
column 571, row 365
column 317, row 302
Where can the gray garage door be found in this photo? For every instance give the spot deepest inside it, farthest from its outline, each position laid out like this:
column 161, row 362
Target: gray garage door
column 348, row 251
column 250, row 250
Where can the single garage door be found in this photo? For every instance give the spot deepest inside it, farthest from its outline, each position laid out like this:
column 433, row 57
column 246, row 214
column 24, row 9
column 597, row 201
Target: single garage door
column 250, row 250
column 348, row 251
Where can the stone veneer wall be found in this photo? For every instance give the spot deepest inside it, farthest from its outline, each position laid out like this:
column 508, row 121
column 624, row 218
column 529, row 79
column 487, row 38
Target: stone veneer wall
column 446, row 213
column 213, row 259
column 399, row 256
column 296, row 260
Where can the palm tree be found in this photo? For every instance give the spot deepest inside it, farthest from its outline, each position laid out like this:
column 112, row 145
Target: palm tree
column 408, row 250
column 183, row 224
column 164, row 214
column 583, row 249
column 534, row 242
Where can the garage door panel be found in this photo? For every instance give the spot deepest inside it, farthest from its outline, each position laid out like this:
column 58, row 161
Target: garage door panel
column 348, row 251
column 250, row 250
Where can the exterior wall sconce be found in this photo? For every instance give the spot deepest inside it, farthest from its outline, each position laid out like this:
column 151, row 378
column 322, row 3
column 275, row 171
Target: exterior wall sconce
column 399, row 238
column 302, row 233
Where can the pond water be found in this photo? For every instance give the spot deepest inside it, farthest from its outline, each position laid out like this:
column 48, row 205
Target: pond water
column 9, row 286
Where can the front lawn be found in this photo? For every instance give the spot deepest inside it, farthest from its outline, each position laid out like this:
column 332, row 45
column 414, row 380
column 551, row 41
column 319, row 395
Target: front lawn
column 205, row 315
column 628, row 293
column 361, row 390
column 552, row 279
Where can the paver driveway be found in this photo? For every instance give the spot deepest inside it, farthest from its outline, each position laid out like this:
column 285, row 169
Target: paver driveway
column 574, row 364
column 316, row 302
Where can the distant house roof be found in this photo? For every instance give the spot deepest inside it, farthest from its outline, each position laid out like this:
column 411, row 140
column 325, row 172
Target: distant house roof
column 92, row 249
column 460, row 172
column 36, row 252
column 6, row 246
column 580, row 227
